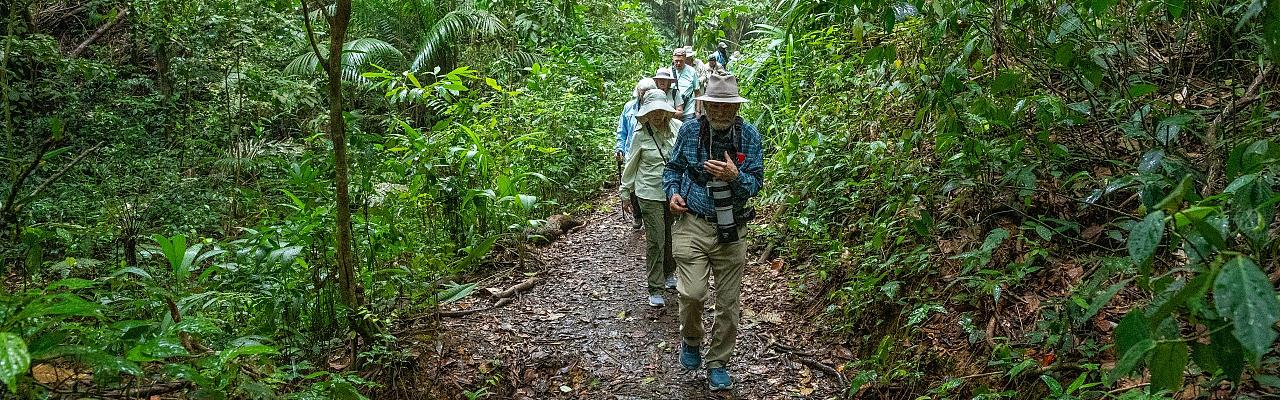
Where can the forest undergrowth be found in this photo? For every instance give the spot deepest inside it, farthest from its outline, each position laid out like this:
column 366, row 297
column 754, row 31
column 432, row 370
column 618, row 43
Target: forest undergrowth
column 1007, row 199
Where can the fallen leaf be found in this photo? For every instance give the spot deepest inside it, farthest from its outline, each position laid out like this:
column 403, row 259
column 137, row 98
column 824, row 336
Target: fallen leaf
column 565, row 389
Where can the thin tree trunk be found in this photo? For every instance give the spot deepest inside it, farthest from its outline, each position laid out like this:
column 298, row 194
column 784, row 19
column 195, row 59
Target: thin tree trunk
column 348, row 287
column 338, row 134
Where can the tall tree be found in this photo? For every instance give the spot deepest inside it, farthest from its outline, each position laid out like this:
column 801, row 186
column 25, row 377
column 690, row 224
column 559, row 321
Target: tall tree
column 338, row 23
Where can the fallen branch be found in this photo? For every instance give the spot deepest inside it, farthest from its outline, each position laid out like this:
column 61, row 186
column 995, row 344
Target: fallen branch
column 522, row 286
column 824, row 368
column 59, row 174
column 120, row 14
column 804, row 358
column 147, row 391
column 505, row 297
column 463, row 313
column 7, row 210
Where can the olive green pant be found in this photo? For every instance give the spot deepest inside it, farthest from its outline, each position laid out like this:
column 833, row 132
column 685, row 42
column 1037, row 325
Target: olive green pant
column 699, row 257
column 657, row 243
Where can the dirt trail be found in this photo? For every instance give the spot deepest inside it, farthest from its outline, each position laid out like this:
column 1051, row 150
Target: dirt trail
column 586, row 332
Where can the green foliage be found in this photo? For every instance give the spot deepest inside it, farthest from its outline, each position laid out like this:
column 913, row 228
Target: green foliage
column 970, row 156
column 207, row 114
column 14, row 359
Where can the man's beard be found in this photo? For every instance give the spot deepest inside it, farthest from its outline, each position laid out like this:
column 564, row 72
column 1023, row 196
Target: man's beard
column 720, row 125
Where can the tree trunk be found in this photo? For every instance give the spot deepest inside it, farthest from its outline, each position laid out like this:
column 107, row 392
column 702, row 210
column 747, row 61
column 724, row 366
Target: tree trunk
column 338, row 134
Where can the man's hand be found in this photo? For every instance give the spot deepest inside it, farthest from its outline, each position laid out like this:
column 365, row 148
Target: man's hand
column 677, row 204
column 680, row 110
column 626, row 207
column 723, row 170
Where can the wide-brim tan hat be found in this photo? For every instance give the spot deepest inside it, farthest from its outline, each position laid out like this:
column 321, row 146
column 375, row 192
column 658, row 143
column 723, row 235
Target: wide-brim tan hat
column 722, row 89
column 654, row 100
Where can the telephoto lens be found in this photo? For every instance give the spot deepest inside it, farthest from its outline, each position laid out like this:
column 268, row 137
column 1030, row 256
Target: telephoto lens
column 722, row 196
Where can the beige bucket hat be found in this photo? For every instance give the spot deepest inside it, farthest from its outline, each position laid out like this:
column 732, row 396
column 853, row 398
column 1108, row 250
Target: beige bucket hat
column 722, row 89
column 654, row 100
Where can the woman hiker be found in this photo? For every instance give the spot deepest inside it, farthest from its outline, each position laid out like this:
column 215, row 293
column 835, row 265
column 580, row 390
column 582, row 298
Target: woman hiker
column 627, row 125
column 651, row 144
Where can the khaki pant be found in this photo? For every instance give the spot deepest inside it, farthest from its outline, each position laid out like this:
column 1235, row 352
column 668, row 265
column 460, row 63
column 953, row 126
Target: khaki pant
column 657, row 243
column 699, row 257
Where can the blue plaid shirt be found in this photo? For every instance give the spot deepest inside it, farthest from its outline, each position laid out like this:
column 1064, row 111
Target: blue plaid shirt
column 688, row 157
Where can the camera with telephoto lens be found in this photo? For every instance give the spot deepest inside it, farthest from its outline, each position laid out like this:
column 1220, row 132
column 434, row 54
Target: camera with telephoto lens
column 722, row 193
column 722, row 198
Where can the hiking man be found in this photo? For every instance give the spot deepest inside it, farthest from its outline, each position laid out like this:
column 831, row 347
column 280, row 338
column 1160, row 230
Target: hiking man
column 651, row 143
column 686, row 84
column 722, row 55
column 705, row 70
column 715, row 168
column 627, row 125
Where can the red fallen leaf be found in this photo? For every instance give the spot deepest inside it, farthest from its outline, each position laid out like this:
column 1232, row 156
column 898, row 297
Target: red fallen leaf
column 776, row 264
column 1047, row 359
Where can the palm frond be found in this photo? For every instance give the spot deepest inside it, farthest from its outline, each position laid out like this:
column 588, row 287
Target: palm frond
column 304, row 64
column 463, row 22
column 357, row 56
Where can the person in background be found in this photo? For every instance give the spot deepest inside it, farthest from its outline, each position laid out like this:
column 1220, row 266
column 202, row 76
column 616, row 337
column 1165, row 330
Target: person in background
column 711, row 67
column 627, row 125
column 666, row 82
column 721, row 152
column 646, row 159
column 686, row 84
column 722, row 55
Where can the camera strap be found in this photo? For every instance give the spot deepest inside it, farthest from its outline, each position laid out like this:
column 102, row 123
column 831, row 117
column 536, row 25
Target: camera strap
column 649, row 131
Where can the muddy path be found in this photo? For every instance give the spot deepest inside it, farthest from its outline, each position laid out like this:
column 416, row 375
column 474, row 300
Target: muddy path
column 586, row 332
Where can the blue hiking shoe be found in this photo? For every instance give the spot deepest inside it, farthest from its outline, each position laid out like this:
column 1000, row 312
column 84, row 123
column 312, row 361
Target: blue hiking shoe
column 690, row 356
column 719, row 379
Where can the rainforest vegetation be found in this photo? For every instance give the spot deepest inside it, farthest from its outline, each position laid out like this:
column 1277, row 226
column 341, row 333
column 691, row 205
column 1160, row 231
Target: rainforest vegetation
column 971, row 199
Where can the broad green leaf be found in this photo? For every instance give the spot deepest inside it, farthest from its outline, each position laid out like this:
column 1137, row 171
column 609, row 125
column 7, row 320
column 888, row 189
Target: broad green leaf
column 1102, row 299
column 1145, row 237
column 1243, row 294
column 14, row 359
column 1133, row 329
column 1176, row 7
column 1204, row 357
column 1269, row 381
column 1141, row 89
column 156, row 349
column 1167, row 363
column 1150, row 161
column 134, row 271
column 1210, row 234
column 246, row 349
column 1169, row 129
column 1130, row 360
column 105, row 363
column 527, row 202
column 1172, row 202
column 1227, row 353
column 1196, row 287
column 70, row 284
column 455, row 292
